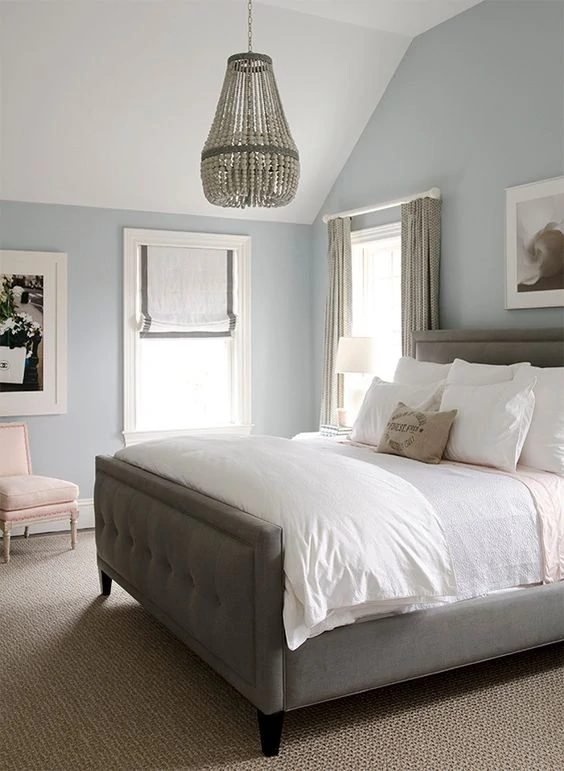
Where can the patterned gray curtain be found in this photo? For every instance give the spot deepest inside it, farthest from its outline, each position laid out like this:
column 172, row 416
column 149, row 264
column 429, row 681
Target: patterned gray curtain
column 337, row 315
column 420, row 257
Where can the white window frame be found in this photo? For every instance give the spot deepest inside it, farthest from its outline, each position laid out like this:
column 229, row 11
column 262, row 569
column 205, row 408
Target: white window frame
column 241, row 348
column 393, row 230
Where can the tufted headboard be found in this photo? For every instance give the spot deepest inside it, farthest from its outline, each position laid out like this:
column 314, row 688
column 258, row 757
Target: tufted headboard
column 540, row 347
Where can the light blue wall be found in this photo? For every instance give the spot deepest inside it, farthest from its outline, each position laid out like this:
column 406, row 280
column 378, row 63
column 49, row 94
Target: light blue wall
column 476, row 105
column 65, row 445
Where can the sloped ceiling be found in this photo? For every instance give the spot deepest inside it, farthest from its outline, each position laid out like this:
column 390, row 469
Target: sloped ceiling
column 109, row 103
column 405, row 17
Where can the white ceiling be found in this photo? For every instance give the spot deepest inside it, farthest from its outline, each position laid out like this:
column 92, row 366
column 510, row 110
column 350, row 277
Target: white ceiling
column 109, row 103
column 405, row 17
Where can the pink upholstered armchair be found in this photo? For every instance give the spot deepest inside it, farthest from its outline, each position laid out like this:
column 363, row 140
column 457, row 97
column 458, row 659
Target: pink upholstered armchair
column 26, row 498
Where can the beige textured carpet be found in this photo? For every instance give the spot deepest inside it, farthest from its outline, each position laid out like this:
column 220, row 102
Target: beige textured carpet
column 88, row 683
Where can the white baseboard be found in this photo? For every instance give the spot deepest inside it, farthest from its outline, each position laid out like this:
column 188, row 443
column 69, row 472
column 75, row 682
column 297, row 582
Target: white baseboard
column 85, row 520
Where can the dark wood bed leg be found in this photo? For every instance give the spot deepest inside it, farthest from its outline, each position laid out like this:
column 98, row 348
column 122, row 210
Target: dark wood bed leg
column 105, row 583
column 270, row 727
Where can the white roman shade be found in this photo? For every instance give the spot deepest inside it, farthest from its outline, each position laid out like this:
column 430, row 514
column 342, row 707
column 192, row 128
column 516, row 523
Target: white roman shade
column 186, row 292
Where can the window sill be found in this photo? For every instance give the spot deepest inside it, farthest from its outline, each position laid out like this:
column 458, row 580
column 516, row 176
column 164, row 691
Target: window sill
column 135, row 437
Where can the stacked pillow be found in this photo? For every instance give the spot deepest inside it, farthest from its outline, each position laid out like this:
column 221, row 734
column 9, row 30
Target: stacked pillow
column 539, row 441
column 414, row 372
column 544, row 445
column 380, row 401
column 402, row 418
column 504, row 414
column 495, row 407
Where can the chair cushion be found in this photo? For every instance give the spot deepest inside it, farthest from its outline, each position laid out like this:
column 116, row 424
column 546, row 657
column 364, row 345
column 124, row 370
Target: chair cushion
column 36, row 513
column 27, row 491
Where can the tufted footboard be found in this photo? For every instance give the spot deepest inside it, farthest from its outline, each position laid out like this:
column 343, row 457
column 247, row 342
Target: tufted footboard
column 210, row 573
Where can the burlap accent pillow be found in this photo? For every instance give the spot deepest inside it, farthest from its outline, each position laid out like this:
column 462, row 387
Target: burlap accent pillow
column 417, row 435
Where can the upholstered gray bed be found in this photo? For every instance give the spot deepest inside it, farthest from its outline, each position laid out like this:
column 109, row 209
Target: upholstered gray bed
column 213, row 575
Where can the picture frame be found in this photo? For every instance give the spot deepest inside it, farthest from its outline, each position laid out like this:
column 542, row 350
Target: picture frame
column 534, row 247
column 33, row 333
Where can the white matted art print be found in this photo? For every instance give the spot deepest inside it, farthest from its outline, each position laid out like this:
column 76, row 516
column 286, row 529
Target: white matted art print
column 33, row 333
column 535, row 245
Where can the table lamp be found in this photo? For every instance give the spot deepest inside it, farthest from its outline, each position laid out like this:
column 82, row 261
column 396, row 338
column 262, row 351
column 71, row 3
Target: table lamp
column 354, row 355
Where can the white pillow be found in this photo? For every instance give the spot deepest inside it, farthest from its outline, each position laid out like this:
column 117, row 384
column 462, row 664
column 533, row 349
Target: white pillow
column 413, row 372
column 468, row 373
column 544, row 445
column 380, row 401
column 492, row 422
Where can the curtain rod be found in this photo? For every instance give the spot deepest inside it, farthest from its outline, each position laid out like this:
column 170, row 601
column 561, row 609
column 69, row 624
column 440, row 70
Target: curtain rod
column 434, row 192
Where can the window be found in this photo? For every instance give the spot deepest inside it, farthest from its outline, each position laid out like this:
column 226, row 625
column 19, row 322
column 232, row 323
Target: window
column 186, row 333
column 376, row 294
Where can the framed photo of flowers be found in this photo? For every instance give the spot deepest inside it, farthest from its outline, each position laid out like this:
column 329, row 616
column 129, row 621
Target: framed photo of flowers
column 33, row 333
column 535, row 245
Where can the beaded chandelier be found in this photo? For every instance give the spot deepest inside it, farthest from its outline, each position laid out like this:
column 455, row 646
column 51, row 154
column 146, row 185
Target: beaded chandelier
column 250, row 158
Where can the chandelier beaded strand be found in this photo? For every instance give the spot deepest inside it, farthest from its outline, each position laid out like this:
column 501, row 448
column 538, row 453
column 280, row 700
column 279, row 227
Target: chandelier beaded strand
column 250, row 158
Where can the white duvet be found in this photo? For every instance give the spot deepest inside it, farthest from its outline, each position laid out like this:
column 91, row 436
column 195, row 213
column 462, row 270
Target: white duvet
column 367, row 534
column 355, row 535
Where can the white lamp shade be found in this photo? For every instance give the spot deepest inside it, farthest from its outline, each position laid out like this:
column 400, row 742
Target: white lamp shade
column 356, row 354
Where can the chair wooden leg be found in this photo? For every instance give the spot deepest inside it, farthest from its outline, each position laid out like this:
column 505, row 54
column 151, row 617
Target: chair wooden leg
column 74, row 530
column 26, row 532
column 6, row 527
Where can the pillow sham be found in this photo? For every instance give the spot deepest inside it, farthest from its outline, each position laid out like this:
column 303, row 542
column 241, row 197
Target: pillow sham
column 380, row 401
column 492, row 422
column 469, row 373
column 411, row 371
column 544, row 445
column 416, row 434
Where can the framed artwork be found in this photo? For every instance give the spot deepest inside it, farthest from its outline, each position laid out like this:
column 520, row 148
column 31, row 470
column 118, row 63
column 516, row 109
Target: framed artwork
column 535, row 245
column 33, row 333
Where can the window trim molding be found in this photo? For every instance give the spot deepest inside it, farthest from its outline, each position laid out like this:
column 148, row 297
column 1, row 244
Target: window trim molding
column 133, row 238
column 379, row 233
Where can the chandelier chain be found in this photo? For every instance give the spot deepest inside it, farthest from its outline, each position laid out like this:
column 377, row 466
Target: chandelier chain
column 250, row 23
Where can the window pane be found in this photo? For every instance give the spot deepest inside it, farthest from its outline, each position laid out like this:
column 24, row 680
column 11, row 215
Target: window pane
column 184, row 383
column 376, row 268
